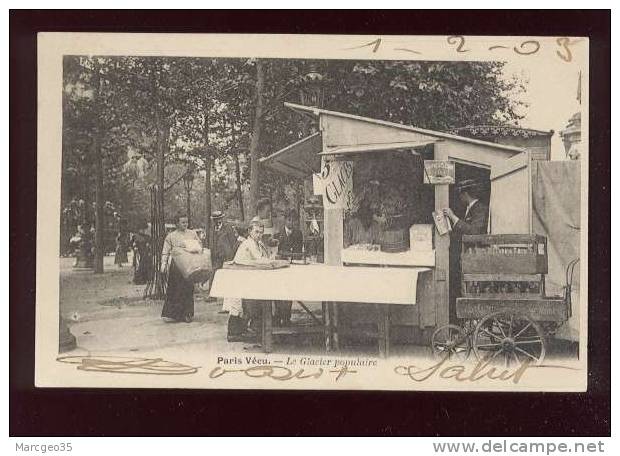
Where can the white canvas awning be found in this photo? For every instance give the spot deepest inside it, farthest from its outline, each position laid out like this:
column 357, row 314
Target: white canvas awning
column 373, row 285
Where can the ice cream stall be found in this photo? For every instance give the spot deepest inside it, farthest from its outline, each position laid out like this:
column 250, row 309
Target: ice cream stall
column 386, row 267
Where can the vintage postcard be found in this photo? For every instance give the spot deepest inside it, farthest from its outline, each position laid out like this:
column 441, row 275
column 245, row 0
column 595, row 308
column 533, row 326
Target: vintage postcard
column 340, row 212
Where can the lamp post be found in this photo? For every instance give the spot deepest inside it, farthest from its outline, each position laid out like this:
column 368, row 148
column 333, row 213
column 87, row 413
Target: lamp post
column 188, row 180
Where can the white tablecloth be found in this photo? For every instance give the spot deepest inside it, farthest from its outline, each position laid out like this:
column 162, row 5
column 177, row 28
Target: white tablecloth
column 320, row 283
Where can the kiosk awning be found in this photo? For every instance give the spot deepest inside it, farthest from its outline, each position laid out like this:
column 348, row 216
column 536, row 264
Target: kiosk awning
column 299, row 159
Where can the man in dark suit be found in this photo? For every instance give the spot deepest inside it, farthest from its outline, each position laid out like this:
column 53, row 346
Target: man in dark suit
column 474, row 220
column 476, row 216
column 223, row 242
column 290, row 241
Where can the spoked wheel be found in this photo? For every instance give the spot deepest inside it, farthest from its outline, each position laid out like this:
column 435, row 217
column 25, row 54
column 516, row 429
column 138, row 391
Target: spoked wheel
column 451, row 341
column 509, row 337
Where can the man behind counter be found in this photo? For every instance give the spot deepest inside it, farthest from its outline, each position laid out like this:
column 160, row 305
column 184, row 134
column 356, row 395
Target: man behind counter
column 476, row 216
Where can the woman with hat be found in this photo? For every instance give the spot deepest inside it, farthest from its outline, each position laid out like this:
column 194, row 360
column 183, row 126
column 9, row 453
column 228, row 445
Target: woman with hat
column 179, row 303
column 250, row 251
column 141, row 244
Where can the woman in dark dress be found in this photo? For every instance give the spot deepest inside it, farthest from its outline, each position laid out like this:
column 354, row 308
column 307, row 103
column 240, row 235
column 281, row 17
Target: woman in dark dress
column 142, row 256
column 179, row 303
column 122, row 244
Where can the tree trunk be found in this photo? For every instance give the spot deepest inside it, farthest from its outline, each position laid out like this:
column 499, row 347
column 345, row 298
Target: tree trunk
column 239, row 187
column 235, row 153
column 161, row 156
column 99, row 201
column 99, row 197
column 255, row 143
column 208, row 164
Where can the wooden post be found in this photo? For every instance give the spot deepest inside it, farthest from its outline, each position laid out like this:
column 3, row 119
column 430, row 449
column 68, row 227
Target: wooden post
column 267, row 326
column 333, row 236
column 441, row 276
column 333, row 241
column 383, row 329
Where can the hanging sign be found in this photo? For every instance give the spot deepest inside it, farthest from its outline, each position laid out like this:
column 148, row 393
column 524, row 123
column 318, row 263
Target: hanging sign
column 337, row 184
column 438, row 172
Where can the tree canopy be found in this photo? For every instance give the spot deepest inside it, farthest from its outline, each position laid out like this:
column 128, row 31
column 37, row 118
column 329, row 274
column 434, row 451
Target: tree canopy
column 205, row 112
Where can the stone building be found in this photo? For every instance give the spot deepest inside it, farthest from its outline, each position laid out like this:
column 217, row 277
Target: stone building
column 571, row 137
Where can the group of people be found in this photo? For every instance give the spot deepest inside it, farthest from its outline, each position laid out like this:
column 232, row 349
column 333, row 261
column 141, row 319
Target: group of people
column 231, row 243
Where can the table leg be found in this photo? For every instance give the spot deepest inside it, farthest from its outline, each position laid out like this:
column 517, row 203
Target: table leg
column 335, row 338
column 267, row 326
column 328, row 325
column 325, row 320
column 383, row 325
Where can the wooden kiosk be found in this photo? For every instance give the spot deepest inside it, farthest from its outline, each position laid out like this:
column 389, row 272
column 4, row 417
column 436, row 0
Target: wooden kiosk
column 345, row 138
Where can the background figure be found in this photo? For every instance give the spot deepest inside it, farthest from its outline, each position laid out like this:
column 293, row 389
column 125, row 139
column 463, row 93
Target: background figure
column 179, row 302
column 122, row 244
column 363, row 227
column 263, row 216
column 290, row 241
column 142, row 255
column 224, row 241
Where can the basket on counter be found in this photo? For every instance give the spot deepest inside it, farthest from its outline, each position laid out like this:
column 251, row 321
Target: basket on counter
column 395, row 241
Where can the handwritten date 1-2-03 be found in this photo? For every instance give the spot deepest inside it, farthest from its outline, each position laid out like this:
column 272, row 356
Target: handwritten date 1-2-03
column 458, row 44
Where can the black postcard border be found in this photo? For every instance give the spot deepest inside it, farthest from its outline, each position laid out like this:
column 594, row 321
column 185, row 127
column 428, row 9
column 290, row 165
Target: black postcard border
column 135, row 412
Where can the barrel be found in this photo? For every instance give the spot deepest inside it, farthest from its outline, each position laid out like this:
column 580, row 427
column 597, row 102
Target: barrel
column 394, row 241
column 195, row 267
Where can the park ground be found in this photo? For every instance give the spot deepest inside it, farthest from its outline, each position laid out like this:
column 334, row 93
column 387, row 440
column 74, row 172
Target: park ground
column 108, row 314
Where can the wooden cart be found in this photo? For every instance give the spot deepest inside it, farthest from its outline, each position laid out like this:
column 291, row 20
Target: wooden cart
column 504, row 311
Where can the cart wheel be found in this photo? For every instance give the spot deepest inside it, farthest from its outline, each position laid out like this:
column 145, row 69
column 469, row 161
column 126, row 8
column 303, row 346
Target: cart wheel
column 509, row 337
column 451, row 340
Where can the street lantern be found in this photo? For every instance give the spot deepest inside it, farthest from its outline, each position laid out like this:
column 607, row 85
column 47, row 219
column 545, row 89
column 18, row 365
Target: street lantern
column 311, row 93
column 188, row 180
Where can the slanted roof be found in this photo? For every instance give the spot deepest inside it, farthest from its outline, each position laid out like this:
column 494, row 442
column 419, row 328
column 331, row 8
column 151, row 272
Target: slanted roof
column 347, row 134
column 437, row 134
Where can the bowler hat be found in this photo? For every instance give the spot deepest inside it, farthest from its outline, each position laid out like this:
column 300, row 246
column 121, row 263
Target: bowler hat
column 467, row 184
column 217, row 215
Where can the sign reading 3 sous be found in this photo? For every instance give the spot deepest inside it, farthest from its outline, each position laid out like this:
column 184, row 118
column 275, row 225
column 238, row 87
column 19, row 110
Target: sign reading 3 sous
column 335, row 183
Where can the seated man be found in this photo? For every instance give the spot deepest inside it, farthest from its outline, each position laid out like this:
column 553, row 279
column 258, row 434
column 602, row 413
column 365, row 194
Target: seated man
column 252, row 249
column 290, row 241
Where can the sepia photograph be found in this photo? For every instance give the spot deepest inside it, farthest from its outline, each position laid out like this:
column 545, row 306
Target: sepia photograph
column 313, row 212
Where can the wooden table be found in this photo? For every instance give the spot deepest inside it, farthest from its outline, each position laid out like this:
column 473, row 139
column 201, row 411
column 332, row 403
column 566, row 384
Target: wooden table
column 330, row 285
